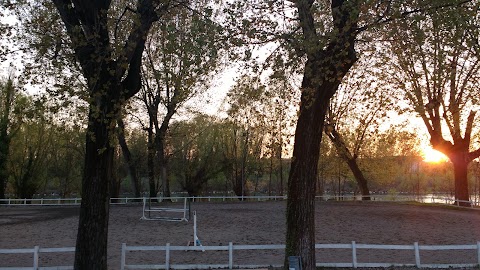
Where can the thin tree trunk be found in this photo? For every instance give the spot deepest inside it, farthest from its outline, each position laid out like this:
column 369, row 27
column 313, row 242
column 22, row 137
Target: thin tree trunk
column 360, row 178
column 351, row 159
column 270, row 172
column 4, row 149
column 280, row 167
column 128, row 158
column 5, row 137
column 151, row 164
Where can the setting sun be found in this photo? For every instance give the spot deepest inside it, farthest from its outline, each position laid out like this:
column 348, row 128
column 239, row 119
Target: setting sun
column 433, row 156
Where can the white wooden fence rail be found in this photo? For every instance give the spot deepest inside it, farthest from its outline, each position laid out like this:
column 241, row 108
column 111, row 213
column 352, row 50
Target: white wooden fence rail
column 415, row 248
column 36, row 252
column 127, row 200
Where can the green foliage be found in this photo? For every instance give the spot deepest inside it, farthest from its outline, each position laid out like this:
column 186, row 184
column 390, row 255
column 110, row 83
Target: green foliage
column 29, row 150
column 197, row 156
column 436, row 64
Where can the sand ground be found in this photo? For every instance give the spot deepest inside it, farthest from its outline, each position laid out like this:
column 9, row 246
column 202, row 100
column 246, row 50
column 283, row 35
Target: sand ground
column 248, row 223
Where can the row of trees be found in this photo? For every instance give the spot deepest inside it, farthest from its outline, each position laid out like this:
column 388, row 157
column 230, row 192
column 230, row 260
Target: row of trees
column 110, row 53
column 206, row 154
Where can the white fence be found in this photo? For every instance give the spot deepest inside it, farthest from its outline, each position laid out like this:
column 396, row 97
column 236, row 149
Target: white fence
column 123, row 201
column 36, row 252
column 415, row 248
column 353, row 247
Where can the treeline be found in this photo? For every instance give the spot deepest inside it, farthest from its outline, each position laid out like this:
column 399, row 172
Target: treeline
column 243, row 153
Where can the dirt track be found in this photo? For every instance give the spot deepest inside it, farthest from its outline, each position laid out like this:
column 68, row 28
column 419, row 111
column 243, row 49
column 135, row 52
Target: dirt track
column 248, row 223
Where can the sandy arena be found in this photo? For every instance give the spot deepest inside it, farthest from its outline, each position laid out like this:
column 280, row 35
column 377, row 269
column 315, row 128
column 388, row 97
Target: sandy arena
column 247, row 223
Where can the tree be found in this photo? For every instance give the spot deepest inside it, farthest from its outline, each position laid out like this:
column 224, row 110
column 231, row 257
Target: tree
column 321, row 37
column 7, row 92
column 13, row 111
column 31, row 151
column 181, row 61
column 104, row 41
column 127, row 155
column 326, row 64
column 439, row 64
column 245, row 140
column 355, row 114
column 197, row 153
column 279, row 117
column 65, row 163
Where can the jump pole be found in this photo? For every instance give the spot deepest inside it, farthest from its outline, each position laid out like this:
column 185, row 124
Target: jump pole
column 196, row 241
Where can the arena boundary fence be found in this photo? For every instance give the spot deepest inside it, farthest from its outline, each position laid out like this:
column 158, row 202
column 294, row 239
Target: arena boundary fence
column 416, row 248
column 132, row 201
column 353, row 247
column 36, row 252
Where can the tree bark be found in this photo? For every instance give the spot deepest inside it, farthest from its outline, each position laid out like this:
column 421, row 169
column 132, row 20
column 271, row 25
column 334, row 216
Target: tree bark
column 460, row 170
column 5, row 136
column 92, row 236
column 351, row 160
column 151, row 164
column 110, row 82
column 162, row 159
column 324, row 69
column 360, row 178
column 4, row 150
column 300, row 238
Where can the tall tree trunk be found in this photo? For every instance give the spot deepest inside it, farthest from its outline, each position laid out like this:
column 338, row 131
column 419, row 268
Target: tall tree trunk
column 128, row 158
column 324, row 69
column 110, row 83
column 280, row 167
column 460, row 170
column 92, row 236
column 300, row 238
column 162, row 164
column 270, row 172
column 165, row 178
column 151, row 164
column 4, row 150
column 5, row 137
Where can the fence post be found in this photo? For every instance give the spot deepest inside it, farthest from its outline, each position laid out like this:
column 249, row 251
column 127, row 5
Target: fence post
column 478, row 253
column 354, row 254
column 167, row 256
column 122, row 260
column 35, row 257
column 417, row 254
column 230, row 255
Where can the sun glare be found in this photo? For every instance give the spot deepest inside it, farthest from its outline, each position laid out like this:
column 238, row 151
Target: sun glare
column 433, row 156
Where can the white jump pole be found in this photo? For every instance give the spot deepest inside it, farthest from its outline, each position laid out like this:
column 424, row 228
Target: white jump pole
column 195, row 238
column 196, row 241
column 143, row 212
column 185, row 209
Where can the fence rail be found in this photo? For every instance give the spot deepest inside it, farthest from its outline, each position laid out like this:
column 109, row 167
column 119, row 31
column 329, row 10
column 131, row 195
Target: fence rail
column 354, row 247
column 36, row 252
column 415, row 248
column 128, row 200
